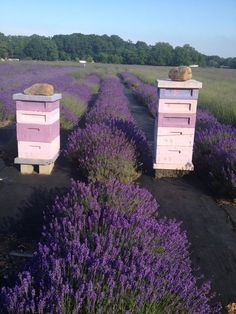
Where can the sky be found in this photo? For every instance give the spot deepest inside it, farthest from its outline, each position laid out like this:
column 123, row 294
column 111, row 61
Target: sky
column 207, row 25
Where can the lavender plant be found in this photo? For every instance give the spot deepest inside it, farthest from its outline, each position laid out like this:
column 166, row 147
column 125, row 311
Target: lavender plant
column 205, row 120
column 95, row 257
column 111, row 107
column 137, row 137
column 215, row 154
column 111, row 103
column 102, row 152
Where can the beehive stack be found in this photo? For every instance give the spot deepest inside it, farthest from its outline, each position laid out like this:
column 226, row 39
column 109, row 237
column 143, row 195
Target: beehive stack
column 175, row 124
column 38, row 129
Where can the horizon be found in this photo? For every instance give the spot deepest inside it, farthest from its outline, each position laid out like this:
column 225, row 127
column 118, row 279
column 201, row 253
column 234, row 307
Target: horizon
column 209, row 27
column 109, row 36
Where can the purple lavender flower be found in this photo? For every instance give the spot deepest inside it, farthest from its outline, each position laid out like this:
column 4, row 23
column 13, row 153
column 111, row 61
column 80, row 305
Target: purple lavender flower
column 111, row 103
column 95, row 256
column 215, row 155
column 102, row 152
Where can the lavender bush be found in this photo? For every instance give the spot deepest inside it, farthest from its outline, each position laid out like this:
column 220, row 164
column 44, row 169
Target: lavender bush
column 96, row 258
column 111, row 103
column 205, row 120
column 102, row 152
column 111, row 107
column 128, row 198
column 93, row 81
column 215, row 154
column 136, row 136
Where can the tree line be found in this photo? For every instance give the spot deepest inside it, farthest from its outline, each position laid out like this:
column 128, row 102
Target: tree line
column 104, row 49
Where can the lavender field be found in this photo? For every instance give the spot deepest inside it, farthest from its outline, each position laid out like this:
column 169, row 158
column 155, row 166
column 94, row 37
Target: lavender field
column 103, row 247
column 15, row 78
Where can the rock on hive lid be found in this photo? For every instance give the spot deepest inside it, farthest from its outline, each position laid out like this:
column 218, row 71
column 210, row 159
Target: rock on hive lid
column 181, row 73
column 40, row 89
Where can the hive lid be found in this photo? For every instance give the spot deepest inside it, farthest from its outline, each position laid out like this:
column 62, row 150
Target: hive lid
column 21, row 96
column 179, row 84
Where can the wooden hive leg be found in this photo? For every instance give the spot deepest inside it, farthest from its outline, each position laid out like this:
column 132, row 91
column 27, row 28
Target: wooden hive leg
column 26, row 169
column 46, row 169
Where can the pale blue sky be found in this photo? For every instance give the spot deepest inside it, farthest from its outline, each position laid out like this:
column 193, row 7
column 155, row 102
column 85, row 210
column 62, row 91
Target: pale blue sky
column 207, row 25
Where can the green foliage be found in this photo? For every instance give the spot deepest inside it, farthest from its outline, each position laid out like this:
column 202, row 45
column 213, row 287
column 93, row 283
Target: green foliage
column 4, row 50
column 41, row 48
column 162, row 54
column 104, row 49
column 72, row 103
column 89, row 59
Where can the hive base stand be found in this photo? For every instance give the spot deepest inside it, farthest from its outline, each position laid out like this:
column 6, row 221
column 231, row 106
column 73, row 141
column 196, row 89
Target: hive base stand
column 27, row 165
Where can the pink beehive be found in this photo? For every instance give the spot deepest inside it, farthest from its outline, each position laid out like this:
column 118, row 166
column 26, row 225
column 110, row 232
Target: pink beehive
column 175, row 124
column 38, row 131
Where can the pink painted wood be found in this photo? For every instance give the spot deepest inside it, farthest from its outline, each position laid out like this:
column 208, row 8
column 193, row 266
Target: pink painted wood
column 178, row 120
column 173, row 155
column 37, row 132
column 37, row 105
column 38, row 150
column 175, row 136
column 177, row 106
column 37, row 117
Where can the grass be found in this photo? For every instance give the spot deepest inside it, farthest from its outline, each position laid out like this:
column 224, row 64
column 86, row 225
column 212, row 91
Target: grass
column 74, row 106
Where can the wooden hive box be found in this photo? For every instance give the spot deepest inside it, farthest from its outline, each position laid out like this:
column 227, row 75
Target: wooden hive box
column 38, row 131
column 175, row 124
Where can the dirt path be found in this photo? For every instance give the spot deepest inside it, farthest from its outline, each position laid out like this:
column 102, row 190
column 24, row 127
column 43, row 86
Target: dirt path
column 209, row 228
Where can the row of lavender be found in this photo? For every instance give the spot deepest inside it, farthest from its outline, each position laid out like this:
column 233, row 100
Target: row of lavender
column 14, row 78
column 103, row 249
column 110, row 144
column 76, row 96
column 214, row 154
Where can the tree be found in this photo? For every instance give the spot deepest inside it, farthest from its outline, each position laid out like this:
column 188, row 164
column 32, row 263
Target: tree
column 105, row 49
column 4, row 48
column 41, row 48
column 161, row 54
column 232, row 63
column 142, row 52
